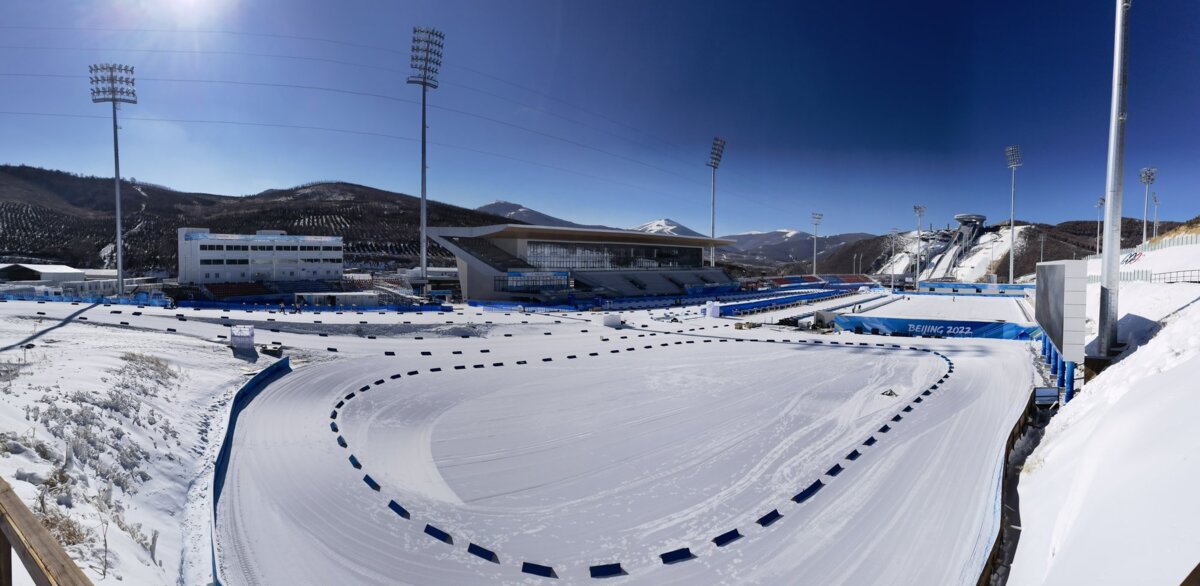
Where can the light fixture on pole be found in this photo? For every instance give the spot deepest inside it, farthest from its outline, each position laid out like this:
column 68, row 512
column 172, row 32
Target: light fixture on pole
column 115, row 84
column 1013, row 154
column 919, row 210
column 1110, row 265
column 714, row 161
column 816, row 222
column 426, row 62
column 1099, row 221
column 1146, row 177
column 1154, row 197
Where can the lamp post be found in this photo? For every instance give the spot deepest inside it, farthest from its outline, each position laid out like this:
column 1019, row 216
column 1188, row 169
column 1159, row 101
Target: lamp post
column 816, row 222
column 1013, row 154
column 1099, row 222
column 1110, row 267
column 426, row 61
column 714, row 161
column 894, row 231
column 919, row 210
column 1146, row 177
column 1154, row 197
column 115, row 84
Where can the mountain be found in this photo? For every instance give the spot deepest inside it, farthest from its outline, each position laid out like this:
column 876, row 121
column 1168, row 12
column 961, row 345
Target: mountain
column 783, row 246
column 520, row 213
column 665, row 226
column 57, row 217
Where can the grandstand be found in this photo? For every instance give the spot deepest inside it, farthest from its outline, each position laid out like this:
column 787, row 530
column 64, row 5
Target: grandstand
column 552, row 264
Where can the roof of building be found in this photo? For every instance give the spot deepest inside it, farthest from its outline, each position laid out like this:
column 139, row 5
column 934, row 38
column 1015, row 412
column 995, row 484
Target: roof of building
column 260, row 237
column 45, row 269
column 560, row 233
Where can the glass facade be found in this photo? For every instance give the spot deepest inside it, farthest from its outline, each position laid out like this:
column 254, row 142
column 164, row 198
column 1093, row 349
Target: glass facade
column 596, row 256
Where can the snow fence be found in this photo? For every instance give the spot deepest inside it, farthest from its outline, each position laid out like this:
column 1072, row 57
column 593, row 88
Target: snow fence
column 241, row 400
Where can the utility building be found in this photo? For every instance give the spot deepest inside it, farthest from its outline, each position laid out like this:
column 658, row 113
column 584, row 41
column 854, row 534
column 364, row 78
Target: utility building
column 267, row 255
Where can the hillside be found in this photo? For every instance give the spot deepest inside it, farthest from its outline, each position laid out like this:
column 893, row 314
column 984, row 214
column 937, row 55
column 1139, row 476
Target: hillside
column 58, row 217
column 665, row 226
column 786, row 246
column 520, row 213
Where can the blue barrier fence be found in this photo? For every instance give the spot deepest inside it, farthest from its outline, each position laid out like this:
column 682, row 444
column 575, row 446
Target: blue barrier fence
column 139, row 299
column 241, row 399
column 934, row 328
column 312, row 308
column 733, row 308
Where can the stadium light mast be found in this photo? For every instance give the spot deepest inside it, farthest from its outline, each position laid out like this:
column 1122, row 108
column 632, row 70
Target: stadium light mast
column 1099, row 221
column 426, row 62
column 714, row 161
column 1013, row 154
column 1110, row 265
column 894, row 231
column 115, row 84
column 1146, row 177
column 1154, row 198
column 816, row 222
column 919, row 210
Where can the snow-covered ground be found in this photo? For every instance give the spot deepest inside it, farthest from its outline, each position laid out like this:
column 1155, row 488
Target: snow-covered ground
column 988, row 249
column 959, row 307
column 1109, row 495
column 623, row 446
column 1178, row 258
column 680, row 435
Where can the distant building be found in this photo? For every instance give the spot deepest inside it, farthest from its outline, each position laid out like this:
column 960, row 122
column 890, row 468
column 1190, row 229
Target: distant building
column 520, row 262
column 44, row 274
column 268, row 255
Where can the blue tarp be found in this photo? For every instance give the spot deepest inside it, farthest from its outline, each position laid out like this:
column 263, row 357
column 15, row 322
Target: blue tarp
column 934, row 328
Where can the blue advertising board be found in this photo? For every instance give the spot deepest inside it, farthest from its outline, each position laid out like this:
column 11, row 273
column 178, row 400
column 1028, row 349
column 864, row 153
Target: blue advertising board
column 934, row 328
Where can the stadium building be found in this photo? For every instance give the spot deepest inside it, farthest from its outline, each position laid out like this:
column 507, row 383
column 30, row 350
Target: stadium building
column 517, row 262
column 267, row 255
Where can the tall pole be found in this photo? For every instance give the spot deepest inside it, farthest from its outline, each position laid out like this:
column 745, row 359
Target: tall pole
column 1042, row 251
column 714, row 161
column 115, row 83
column 1013, row 154
column 1111, row 264
column 1099, row 222
column 1154, row 196
column 894, row 258
column 426, row 62
column 1146, row 176
column 919, row 210
column 816, row 222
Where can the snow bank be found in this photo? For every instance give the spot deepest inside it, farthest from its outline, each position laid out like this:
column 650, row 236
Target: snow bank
column 1108, row 496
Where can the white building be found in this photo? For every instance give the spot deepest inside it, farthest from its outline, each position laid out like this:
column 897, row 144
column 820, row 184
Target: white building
column 43, row 274
column 268, row 255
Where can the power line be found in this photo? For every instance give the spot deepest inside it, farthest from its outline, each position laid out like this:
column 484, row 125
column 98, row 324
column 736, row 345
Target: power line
column 341, row 131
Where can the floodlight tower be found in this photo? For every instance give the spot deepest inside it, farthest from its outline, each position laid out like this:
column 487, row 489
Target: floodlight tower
column 1110, row 265
column 1013, row 153
column 919, row 210
column 816, row 222
column 426, row 61
column 714, row 161
column 894, row 231
column 1099, row 222
column 1146, row 177
column 1154, row 198
column 115, row 84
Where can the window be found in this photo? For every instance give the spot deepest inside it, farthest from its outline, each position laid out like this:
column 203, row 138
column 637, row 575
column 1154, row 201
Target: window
column 212, row 247
column 571, row 255
column 331, row 248
column 262, row 248
column 212, row 261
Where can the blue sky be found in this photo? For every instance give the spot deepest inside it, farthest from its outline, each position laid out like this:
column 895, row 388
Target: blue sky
column 603, row 112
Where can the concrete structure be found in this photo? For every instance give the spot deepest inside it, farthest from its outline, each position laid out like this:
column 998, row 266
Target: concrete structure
column 44, row 274
column 338, row 299
column 268, row 255
column 517, row 262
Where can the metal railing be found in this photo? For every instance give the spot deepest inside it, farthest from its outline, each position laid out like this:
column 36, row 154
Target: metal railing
column 42, row 556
